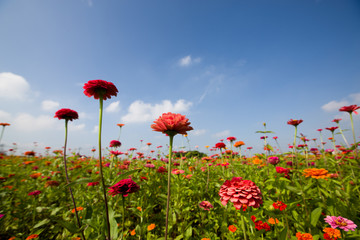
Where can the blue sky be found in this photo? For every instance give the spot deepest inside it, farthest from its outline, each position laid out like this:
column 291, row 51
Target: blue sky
column 229, row 66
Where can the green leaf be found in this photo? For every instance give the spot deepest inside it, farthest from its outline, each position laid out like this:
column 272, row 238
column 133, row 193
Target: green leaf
column 69, row 226
column 113, row 223
column 178, row 237
column 188, row 232
column 315, row 215
column 293, row 189
column 283, row 234
column 41, row 223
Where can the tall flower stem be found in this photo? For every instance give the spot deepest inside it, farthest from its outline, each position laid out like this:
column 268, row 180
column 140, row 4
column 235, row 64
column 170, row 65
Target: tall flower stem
column 353, row 131
column 101, row 172
column 342, row 134
column 123, row 217
column 2, row 133
column 171, row 136
column 68, row 180
column 294, row 147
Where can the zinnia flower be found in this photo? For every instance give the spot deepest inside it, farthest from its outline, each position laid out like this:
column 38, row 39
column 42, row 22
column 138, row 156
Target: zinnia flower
column 239, row 144
column 77, row 209
column 220, row 145
column 350, row 109
column 340, row 222
column 273, row 160
column 151, row 227
column 232, row 228
column 279, row 205
column 316, row 173
column 52, row 183
column 100, row 88
column 331, row 234
column 332, row 129
column 172, row 124
column 93, row 184
column 206, row 205
column 260, row 224
column 34, row 193
column 294, row 122
column 67, row 114
column 304, row 236
column 124, row 187
column 240, row 192
column 115, row 143
column 231, row 139
column 32, row 236
column 4, row 124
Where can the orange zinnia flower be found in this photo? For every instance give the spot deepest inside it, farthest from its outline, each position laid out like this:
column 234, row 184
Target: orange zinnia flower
column 232, row 228
column 35, row 175
column 32, row 236
column 304, row 236
column 239, row 144
column 316, row 173
column 77, row 209
column 273, row 221
column 205, row 239
column 151, row 227
column 132, row 232
column 332, row 233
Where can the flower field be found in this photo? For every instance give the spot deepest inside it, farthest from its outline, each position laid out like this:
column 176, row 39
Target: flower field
column 307, row 193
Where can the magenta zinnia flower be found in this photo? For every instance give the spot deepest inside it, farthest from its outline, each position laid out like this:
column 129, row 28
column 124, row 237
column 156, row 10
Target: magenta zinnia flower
column 273, row 160
column 34, row 193
column 294, row 122
column 172, row 123
column 240, row 193
column 342, row 223
column 115, row 143
column 124, row 187
column 206, row 205
column 100, row 88
column 67, row 114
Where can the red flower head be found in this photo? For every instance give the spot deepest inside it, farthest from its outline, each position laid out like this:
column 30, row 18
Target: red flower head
column 34, row 193
column 220, row 145
column 240, row 193
column 294, row 122
column 279, row 205
column 124, row 187
column 332, row 129
column 115, row 143
column 120, row 125
column 350, row 109
column 231, row 139
column 337, row 120
column 67, row 114
column 172, row 123
column 100, row 88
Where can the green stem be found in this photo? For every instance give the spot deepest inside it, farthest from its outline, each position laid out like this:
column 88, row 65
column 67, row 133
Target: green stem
column 342, row 134
column 101, row 172
column 168, row 187
column 2, row 132
column 243, row 226
column 68, row 180
column 123, row 217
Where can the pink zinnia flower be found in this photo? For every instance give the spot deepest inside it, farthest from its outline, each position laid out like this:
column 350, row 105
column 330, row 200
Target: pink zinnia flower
column 149, row 165
column 294, row 122
column 161, row 170
column 34, row 193
column 177, row 171
column 240, row 193
column 115, row 143
column 124, row 187
column 206, row 205
column 273, row 160
column 342, row 223
column 350, row 109
column 67, row 114
column 172, row 123
column 100, row 88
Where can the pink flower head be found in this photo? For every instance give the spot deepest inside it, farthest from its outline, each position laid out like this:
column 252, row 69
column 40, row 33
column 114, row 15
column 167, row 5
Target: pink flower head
column 34, row 193
column 273, row 160
column 124, row 187
column 319, row 130
column 92, row 184
column 172, row 124
column 100, row 88
column 337, row 120
column 177, row 171
column 342, row 223
column 67, row 114
column 350, row 109
column 115, row 143
column 332, row 129
column 240, row 193
column 149, row 165
column 220, row 145
column 206, row 205
column 116, row 153
column 294, row 122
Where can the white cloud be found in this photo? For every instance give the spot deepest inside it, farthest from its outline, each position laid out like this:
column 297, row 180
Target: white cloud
column 13, row 86
column 5, row 116
column 140, row 111
column 76, row 127
column 187, row 61
column 49, row 105
column 95, row 129
column 222, row 134
column 213, row 85
column 356, row 98
column 113, row 107
column 334, row 106
column 28, row 123
column 199, row 132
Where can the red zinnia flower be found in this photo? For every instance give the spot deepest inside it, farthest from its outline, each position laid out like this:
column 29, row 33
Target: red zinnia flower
column 279, row 205
column 67, row 114
column 332, row 129
column 231, row 139
column 350, row 109
column 240, row 192
column 337, row 120
column 220, row 145
column 172, row 123
column 294, row 122
column 124, row 187
column 232, row 228
column 100, row 88
column 34, row 193
column 115, row 143
column 206, row 205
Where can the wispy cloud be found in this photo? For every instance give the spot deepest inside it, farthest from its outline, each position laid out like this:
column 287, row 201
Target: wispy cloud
column 28, row 123
column 49, row 105
column 188, row 60
column 13, row 87
column 334, row 105
column 213, row 85
column 113, row 107
column 198, row 132
column 222, row 134
column 5, row 116
column 140, row 111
